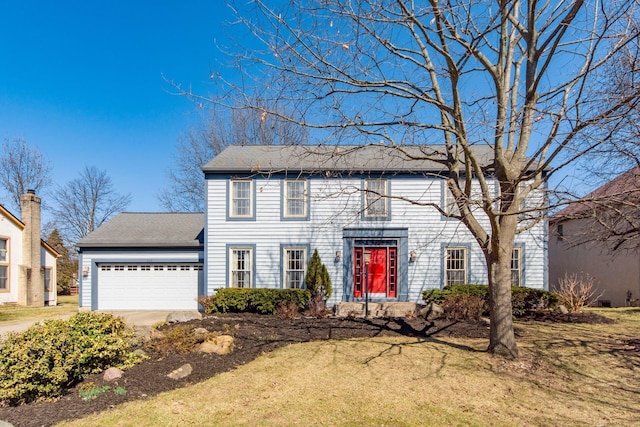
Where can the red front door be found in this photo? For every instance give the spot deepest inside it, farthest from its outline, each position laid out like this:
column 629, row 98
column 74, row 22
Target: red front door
column 375, row 272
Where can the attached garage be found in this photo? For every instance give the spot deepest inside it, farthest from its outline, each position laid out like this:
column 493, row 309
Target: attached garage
column 143, row 261
column 166, row 286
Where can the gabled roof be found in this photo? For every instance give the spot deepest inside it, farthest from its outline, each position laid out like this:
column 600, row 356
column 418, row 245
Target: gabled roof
column 623, row 190
column 14, row 219
column 339, row 158
column 148, row 230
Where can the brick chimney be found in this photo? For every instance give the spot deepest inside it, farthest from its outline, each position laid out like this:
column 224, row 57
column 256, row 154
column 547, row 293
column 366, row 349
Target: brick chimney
column 31, row 286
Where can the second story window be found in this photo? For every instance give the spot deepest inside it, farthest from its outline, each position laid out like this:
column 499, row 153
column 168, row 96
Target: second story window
column 241, row 199
column 295, row 199
column 376, row 201
column 4, row 264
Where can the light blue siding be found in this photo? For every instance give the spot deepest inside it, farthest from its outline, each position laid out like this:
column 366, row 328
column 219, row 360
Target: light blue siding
column 335, row 205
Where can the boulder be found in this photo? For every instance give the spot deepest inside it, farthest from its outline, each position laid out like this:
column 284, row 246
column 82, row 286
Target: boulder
column 112, row 374
column 431, row 311
column 222, row 345
column 183, row 316
column 182, row 372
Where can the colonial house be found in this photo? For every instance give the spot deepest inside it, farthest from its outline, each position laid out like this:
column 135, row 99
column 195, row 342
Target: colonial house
column 27, row 263
column 368, row 211
column 599, row 236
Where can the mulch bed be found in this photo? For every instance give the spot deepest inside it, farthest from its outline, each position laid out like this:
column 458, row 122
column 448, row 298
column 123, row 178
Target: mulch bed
column 254, row 335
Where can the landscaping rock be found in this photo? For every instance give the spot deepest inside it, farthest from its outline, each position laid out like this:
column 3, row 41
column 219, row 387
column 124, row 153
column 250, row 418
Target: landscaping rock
column 5, row 424
column 112, row 374
column 183, row 316
column 182, row 372
column 431, row 311
column 222, row 345
column 345, row 309
column 562, row 309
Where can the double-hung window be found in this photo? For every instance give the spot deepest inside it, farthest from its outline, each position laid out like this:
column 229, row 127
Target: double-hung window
column 241, row 260
column 241, row 199
column 4, row 264
column 295, row 263
column 455, row 272
column 295, row 199
column 47, row 279
column 516, row 267
column 376, row 200
column 449, row 204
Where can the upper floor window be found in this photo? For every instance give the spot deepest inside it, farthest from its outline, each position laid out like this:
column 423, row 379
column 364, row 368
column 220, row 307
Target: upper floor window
column 295, row 203
column 4, row 250
column 455, row 271
column 241, row 267
column 376, row 200
column 295, row 263
column 449, row 204
column 241, row 199
column 516, row 267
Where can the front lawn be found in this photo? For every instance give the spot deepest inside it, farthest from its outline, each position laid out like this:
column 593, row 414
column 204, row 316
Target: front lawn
column 568, row 374
column 66, row 305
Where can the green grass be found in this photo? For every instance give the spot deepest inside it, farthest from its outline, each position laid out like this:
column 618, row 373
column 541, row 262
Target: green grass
column 570, row 375
column 12, row 313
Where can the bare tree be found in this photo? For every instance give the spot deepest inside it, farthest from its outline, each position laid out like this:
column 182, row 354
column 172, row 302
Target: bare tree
column 610, row 215
column 22, row 168
column 220, row 128
column 85, row 203
column 521, row 77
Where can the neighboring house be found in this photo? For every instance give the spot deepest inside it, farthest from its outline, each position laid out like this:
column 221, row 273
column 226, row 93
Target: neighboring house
column 269, row 207
column 143, row 261
column 27, row 263
column 599, row 236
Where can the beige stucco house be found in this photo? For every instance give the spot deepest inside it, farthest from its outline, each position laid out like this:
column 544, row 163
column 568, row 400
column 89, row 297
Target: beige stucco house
column 599, row 236
column 27, row 263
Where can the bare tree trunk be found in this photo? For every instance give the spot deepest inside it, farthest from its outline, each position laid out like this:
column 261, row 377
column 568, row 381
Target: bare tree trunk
column 502, row 339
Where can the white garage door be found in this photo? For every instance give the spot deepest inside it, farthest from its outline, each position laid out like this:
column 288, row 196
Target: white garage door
column 148, row 286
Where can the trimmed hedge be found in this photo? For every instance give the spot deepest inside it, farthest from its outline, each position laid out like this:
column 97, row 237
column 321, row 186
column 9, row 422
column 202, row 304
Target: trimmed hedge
column 261, row 301
column 523, row 300
column 46, row 359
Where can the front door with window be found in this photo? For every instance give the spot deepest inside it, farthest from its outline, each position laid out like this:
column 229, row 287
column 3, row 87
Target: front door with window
column 375, row 272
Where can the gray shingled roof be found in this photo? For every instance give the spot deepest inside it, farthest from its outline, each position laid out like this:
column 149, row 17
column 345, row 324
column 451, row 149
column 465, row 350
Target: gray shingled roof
column 148, row 230
column 343, row 158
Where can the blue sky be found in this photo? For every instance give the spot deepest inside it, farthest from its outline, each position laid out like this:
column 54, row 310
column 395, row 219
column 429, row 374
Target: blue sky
column 83, row 82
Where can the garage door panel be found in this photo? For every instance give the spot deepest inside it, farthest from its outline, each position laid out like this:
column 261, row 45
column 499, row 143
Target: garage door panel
column 148, row 289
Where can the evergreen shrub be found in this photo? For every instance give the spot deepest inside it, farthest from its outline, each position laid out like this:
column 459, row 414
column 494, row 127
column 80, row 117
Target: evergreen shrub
column 46, row 359
column 261, row 301
column 523, row 300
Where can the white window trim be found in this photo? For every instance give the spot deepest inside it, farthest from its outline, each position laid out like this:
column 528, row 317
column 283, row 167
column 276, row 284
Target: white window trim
column 517, row 250
column 465, row 261
column 305, row 201
column 233, row 262
column 232, row 213
column 383, row 198
column 6, row 263
column 285, row 265
column 449, row 205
